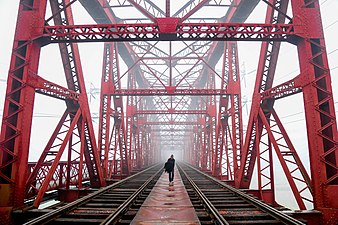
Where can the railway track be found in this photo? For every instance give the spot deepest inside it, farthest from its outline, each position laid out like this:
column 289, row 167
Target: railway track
column 227, row 205
column 117, row 202
column 214, row 202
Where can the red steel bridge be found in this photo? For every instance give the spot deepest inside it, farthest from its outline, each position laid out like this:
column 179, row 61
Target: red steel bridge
column 181, row 90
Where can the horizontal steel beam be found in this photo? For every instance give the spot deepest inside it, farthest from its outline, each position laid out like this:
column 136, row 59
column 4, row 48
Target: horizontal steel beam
column 169, row 90
column 288, row 88
column 51, row 89
column 168, row 29
column 163, row 123
column 171, row 130
column 171, row 111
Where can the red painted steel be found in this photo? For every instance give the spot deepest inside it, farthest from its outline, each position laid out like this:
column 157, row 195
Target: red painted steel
column 251, row 148
column 170, row 88
column 18, row 108
column 75, row 80
column 295, row 171
column 57, row 181
column 171, row 111
column 164, row 31
column 319, row 109
column 191, row 8
column 105, row 107
column 283, row 90
column 112, row 146
column 229, row 140
column 51, row 89
column 42, row 180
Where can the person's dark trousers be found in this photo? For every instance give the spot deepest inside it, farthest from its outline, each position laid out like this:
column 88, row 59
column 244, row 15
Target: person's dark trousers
column 171, row 176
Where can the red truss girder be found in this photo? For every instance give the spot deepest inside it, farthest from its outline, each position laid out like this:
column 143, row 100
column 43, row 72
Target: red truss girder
column 264, row 129
column 251, row 151
column 265, row 132
column 171, row 130
column 112, row 139
column 170, row 122
column 168, row 90
column 168, row 29
column 17, row 120
column 75, row 80
column 51, row 89
column 88, row 152
column 52, row 155
column 229, row 140
column 280, row 91
column 294, row 170
column 172, row 111
column 61, row 171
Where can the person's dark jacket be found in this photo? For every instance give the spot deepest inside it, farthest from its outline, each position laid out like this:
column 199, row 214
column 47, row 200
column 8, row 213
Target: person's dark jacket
column 169, row 165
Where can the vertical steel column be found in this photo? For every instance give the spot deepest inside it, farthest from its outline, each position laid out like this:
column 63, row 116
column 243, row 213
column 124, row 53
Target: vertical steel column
column 229, row 139
column 115, row 151
column 211, row 122
column 146, row 146
column 109, row 57
column 139, row 133
column 222, row 119
column 234, row 89
column 319, row 108
column 198, row 141
column 18, row 107
column 131, row 122
column 203, row 141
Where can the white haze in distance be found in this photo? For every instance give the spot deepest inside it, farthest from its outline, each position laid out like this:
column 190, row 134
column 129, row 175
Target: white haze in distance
column 47, row 111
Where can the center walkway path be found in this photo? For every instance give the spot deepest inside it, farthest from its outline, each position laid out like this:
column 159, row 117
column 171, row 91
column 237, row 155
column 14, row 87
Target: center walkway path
column 167, row 204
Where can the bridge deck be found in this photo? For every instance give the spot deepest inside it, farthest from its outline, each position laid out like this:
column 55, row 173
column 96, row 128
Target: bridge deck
column 167, row 204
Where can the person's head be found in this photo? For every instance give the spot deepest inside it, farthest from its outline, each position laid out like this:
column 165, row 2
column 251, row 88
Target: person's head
column 172, row 156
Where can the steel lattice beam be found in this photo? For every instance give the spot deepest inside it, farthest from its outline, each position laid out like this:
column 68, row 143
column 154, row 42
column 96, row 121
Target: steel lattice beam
column 169, row 91
column 166, row 31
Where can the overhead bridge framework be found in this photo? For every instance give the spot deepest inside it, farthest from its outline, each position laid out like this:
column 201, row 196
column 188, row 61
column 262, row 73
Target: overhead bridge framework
column 168, row 29
column 189, row 85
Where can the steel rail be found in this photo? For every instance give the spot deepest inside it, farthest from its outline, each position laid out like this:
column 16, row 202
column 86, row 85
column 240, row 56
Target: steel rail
column 125, row 205
column 48, row 217
column 259, row 204
column 219, row 218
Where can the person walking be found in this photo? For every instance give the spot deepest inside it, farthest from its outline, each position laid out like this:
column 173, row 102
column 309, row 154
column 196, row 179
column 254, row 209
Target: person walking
column 169, row 167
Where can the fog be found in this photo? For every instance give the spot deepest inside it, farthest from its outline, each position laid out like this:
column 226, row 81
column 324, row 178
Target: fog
column 47, row 111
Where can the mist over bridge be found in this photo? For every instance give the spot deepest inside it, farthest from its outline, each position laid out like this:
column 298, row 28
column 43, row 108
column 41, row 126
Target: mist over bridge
column 170, row 81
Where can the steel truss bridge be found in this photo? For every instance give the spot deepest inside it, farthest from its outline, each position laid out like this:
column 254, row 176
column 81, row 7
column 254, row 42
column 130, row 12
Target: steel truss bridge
column 181, row 89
